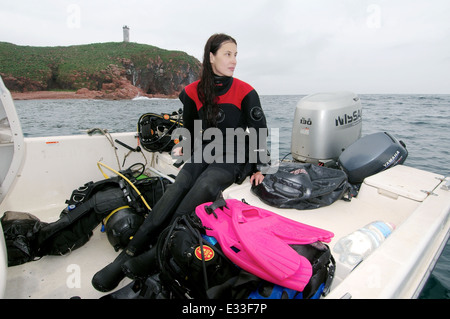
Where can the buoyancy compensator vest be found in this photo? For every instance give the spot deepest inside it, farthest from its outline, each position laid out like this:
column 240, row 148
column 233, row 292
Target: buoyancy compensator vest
column 29, row 238
column 121, row 203
column 77, row 222
column 190, row 263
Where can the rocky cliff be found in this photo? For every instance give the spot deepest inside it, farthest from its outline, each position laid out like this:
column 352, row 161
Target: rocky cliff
column 102, row 70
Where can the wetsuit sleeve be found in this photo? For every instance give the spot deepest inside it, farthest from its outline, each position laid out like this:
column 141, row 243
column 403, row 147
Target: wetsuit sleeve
column 189, row 114
column 255, row 117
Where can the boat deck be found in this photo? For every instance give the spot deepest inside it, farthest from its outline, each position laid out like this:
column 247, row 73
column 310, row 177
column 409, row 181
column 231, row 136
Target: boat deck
column 379, row 199
column 62, row 277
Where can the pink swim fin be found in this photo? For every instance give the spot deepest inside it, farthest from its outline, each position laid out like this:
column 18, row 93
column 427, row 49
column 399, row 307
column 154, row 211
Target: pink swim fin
column 258, row 241
column 266, row 238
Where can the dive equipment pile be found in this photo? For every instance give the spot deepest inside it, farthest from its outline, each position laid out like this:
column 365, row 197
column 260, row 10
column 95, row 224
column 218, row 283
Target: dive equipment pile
column 120, row 203
column 205, row 255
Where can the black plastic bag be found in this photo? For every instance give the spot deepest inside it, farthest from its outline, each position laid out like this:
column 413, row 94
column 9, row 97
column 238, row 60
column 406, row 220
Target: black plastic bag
column 302, row 186
column 20, row 231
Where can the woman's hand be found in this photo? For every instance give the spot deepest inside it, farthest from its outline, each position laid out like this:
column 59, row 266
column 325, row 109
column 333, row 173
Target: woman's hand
column 256, row 178
column 177, row 151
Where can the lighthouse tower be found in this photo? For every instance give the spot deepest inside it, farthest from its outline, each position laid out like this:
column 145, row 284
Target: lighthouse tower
column 126, row 33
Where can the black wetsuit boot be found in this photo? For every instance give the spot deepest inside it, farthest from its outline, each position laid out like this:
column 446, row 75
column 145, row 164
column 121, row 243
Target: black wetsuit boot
column 110, row 276
column 142, row 266
column 180, row 198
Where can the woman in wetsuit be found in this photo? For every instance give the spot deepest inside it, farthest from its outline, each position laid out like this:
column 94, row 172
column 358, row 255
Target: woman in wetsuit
column 225, row 107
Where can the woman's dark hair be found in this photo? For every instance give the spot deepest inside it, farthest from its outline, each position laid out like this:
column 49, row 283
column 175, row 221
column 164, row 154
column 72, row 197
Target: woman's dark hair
column 206, row 86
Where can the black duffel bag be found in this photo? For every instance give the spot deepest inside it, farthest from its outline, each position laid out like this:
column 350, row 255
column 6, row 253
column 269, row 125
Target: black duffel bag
column 20, row 231
column 302, row 186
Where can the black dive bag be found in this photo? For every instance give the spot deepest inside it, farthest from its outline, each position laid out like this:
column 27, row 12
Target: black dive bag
column 302, row 186
column 20, row 231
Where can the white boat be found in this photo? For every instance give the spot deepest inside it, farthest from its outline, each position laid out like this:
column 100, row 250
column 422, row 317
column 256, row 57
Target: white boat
column 38, row 174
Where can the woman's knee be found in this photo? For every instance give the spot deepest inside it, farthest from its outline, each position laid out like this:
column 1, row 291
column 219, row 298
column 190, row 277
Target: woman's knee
column 214, row 180
column 183, row 181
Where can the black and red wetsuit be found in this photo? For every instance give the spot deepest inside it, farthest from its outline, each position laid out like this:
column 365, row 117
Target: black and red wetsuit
column 239, row 108
column 200, row 182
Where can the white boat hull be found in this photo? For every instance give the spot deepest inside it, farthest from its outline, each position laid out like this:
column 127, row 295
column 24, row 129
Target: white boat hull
column 50, row 168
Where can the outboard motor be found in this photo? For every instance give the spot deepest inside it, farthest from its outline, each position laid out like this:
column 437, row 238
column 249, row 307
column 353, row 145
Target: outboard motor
column 370, row 155
column 325, row 124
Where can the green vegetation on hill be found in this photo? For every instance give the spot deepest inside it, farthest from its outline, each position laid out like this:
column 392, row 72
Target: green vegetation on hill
column 77, row 66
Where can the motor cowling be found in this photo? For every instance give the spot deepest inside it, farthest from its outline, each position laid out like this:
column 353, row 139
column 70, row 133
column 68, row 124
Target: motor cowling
column 372, row 154
column 325, row 124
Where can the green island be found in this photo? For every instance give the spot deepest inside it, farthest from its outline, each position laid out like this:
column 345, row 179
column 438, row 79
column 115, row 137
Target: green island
column 98, row 66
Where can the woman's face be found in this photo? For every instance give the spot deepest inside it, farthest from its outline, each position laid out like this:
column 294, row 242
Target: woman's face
column 224, row 61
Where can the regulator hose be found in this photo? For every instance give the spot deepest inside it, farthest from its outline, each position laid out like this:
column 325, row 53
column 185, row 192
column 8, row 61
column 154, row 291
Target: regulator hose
column 99, row 164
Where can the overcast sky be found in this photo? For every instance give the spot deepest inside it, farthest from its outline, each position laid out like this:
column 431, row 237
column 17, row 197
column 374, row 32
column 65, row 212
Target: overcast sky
column 285, row 46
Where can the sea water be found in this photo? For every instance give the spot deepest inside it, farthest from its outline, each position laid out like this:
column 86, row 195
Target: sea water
column 420, row 121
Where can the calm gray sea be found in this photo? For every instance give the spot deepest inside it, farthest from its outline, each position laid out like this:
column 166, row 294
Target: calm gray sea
column 420, row 121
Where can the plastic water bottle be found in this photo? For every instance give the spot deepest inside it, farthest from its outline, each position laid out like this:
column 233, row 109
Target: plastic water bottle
column 356, row 246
